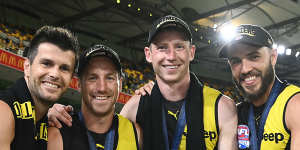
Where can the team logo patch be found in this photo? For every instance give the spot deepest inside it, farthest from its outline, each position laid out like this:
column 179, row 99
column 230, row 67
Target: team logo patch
column 243, row 136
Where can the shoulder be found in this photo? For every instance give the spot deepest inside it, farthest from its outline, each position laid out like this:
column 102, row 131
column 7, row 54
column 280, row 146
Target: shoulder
column 7, row 128
column 131, row 107
column 227, row 102
column 226, row 111
column 293, row 111
column 5, row 109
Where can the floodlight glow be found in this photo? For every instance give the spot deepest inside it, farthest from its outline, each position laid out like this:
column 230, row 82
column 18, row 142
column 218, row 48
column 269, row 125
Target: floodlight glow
column 215, row 26
column 280, row 49
column 288, row 51
column 227, row 32
column 274, row 46
column 297, row 54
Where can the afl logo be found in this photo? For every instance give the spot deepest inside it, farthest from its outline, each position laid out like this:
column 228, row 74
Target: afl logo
column 243, row 136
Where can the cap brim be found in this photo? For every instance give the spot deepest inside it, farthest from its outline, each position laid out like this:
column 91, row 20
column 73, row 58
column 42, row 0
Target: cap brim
column 223, row 50
column 177, row 26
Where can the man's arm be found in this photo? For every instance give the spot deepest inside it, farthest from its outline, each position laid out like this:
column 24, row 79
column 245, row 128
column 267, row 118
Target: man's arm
column 227, row 124
column 292, row 120
column 55, row 141
column 139, row 134
column 7, row 127
column 59, row 112
column 130, row 109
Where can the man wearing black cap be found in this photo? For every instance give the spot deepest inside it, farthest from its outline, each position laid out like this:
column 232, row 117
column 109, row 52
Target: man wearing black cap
column 268, row 116
column 181, row 113
column 97, row 126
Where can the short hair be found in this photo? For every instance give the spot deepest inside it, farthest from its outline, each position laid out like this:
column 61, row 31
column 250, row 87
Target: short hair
column 58, row 36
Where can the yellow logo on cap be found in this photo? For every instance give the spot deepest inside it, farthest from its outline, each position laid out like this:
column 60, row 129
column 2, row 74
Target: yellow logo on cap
column 247, row 31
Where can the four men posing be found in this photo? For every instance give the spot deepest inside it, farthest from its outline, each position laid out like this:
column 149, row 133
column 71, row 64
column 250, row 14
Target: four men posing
column 180, row 113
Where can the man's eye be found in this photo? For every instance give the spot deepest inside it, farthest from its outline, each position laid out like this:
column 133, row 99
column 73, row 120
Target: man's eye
column 254, row 57
column 91, row 78
column 46, row 63
column 161, row 47
column 111, row 78
column 65, row 68
column 179, row 47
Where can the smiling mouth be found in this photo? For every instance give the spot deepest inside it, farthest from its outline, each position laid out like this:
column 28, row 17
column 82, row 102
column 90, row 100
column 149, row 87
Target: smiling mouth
column 101, row 98
column 51, row 85
column 171, row 66
column 251, row 78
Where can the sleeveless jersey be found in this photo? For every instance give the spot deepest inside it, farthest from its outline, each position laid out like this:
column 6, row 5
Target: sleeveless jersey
column 276, row 135
column 29, row 134
column 75, row 137
column 210, row 119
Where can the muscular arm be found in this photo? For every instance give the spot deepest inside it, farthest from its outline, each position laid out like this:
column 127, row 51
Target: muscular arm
column 227, row 123
column 130, row 108
column 7, row 128
column 55, row 141
column 292, row 121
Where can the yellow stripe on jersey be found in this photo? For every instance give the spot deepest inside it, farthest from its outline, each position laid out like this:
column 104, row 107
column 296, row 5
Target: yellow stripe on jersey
column 209, row 119
column 126, row 135
column 275, row 134
column 210, row 123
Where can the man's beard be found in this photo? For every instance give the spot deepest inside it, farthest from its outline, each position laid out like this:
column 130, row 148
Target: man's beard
column 267, row 79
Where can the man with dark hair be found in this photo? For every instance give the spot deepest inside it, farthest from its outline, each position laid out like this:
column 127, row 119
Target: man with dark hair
column 268, row 116
column 48, row 71
column 181, row 113
column 97, row 126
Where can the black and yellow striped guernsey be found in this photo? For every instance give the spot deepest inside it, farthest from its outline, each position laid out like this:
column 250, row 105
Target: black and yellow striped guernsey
column 210, row 119
column 276, row 135
column 75, row 137
column 29, row 133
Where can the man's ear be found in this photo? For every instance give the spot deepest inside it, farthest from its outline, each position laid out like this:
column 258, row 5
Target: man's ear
column 147, row 51
column 192, row 52
column 79, row 85
column 26, row 67
column 274, row 56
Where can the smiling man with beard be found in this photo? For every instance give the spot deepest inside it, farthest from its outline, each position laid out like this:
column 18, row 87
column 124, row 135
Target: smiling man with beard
column 48, row 70
column 269, row 114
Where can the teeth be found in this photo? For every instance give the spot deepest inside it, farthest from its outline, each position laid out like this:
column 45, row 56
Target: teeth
column 171, row 67
column 101, row 97
column 250, row 78
column 51, row 85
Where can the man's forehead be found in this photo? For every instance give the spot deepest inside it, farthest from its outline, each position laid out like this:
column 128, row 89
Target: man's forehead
column 242, row 48
column 165, row 33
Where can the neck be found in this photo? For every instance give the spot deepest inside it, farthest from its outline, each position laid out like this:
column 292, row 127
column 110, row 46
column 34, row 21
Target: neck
column 174, row 91
column 263, row 99
column 97, row 123
column 40, row 108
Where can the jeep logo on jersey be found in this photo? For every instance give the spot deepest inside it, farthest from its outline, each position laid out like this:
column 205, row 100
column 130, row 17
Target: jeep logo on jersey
column 277, row 137
column 210, row 134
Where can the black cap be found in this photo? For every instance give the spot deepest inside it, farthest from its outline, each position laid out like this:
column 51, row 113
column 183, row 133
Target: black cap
column 98, row 50
column 169, row 21
column 250, row 34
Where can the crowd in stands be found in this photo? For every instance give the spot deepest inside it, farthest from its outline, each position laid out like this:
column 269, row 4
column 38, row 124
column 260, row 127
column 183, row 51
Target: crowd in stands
column 136, row 76
column 15, row 39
